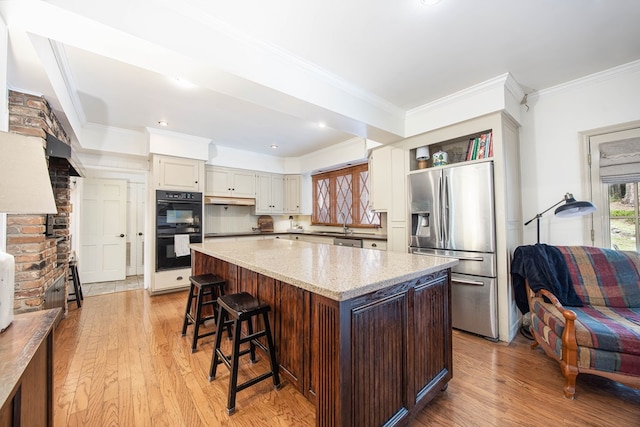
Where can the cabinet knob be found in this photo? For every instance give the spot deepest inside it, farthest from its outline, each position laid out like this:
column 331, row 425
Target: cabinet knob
column 121, row 235
column 373, row 245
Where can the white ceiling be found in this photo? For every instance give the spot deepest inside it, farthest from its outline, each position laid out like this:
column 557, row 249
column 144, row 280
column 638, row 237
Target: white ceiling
column 266, row 72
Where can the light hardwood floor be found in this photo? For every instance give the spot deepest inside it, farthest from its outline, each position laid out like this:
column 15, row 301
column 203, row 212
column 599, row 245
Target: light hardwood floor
column 120, row 360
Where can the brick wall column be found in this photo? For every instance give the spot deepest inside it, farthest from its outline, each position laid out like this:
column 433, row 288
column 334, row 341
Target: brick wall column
column 40, row 260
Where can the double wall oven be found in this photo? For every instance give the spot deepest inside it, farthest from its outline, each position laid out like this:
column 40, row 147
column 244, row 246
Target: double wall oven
column 178, row 218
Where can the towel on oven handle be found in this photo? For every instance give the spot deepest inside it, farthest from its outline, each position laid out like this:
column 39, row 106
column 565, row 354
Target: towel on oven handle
column 181, row 245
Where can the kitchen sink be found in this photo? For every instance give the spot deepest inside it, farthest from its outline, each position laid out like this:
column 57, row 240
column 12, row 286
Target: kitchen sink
column 341, row 241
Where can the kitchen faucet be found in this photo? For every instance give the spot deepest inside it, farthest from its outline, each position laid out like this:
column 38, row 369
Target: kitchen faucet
column 345, row 228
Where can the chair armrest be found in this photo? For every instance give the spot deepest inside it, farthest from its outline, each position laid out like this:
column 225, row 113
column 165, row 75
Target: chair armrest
column 569, row 342
column 569, row 315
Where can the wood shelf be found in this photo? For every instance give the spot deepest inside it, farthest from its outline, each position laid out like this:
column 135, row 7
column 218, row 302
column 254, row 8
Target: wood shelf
column 456, row 150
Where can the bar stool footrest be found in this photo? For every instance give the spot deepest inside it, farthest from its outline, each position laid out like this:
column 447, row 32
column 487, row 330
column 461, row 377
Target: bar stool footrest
column 253, row 381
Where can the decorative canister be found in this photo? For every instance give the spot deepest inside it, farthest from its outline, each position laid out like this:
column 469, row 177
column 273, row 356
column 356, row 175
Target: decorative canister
column 422, row 155
column 440, row 158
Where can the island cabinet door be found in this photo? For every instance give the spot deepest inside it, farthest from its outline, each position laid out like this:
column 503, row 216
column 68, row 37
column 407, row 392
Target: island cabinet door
column 432, row 366
column 291, row 324
column 360, row 359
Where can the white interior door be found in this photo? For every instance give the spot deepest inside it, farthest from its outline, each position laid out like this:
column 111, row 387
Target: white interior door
column 135, row 229
column 103, row 228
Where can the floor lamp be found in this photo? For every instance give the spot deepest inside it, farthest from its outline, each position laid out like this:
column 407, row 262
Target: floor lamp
column 25, row 188
column 570, row 208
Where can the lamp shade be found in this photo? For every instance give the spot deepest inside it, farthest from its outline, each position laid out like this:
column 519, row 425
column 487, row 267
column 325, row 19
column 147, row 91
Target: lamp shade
column 25, row 186
column 572, row 207
column 422, row 153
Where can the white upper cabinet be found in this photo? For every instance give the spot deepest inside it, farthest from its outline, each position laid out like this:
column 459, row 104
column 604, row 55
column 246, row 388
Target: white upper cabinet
column 226, row 182
column 292, row 194
column 177, row 173
column 380, row 178
column 269, row 194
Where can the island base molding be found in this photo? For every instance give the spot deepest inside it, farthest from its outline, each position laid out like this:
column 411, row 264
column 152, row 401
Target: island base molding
column 372, row 360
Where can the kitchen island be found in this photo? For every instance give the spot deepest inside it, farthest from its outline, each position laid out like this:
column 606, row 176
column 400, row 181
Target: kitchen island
column 364, row 334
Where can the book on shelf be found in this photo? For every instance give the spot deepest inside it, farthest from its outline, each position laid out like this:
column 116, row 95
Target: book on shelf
column 490, row 144
column 470, row 148
column 480, row 147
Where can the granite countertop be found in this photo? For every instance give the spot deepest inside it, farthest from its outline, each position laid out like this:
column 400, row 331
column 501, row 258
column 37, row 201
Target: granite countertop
column 355, row 235
column 18, row 344
column 336, row 272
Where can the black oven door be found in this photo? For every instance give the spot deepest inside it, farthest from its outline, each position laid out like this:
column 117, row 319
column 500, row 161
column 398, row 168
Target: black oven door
column 177, row 215
column 166, row 258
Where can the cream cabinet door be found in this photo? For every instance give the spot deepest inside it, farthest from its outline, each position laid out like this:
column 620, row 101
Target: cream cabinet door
column 177, row 173
column 218, row 182
column 277, row 194
column 292, row 194
column 225, row 182
column 269, row 194
column 380, row 173
column 244, row 184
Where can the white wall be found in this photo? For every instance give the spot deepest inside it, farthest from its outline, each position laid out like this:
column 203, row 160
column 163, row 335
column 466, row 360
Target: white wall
column 553, row 152
column 234, row 158
column 4, row 114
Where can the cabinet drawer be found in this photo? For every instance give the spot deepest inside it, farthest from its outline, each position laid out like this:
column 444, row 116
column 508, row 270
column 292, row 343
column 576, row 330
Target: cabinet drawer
column 170, row 280
column 380, row 245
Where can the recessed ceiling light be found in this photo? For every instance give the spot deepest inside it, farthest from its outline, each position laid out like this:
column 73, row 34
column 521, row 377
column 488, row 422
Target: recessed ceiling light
column 274, row 146
column 322, row 125
column 429, row 2
column 163, row 123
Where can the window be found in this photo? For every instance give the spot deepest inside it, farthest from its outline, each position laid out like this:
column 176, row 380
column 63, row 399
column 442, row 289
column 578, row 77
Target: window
column 623, row 217
column 615, row 178
column 341, row 197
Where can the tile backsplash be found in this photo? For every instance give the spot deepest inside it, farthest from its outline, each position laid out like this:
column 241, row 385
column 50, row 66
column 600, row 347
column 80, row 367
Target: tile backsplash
column 238, row 219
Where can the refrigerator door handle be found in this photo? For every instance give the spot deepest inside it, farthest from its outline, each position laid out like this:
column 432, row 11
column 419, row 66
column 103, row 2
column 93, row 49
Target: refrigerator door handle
column 461, row 258
column 445, row 211
column 440, row 214
column 467, row 282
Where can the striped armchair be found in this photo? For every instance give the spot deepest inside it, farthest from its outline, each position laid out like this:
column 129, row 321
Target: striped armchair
column 602, row 336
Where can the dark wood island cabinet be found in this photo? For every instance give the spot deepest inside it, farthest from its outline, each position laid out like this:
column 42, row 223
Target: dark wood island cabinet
column 365, row 335
column 26, row 370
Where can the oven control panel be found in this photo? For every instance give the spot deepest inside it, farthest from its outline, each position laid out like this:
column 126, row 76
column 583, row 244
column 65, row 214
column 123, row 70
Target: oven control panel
column 178, row 195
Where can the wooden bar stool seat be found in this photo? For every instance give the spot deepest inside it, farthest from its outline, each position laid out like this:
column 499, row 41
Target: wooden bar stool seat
column 234, row 309
column 205, row 289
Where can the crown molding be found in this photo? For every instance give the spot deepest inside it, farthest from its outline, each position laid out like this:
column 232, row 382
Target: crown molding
column 601, row 76
column 490, row 84
column 67, row 76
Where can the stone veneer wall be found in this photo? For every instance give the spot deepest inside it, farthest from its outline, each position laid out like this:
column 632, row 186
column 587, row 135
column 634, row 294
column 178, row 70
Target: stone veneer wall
column 39, row 260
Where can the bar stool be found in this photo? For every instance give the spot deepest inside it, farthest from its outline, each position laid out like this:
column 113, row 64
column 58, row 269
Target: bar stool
column 234, row 309
column 205, row 285
column 74, row 278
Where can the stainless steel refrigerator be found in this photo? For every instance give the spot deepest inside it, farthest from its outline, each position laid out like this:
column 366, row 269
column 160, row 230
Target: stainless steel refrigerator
column 452, row 215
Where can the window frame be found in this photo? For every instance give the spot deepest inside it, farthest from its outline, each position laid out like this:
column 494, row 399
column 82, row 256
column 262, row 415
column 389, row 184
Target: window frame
column 355, row 210
column 635, row 217
column 600, row 227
